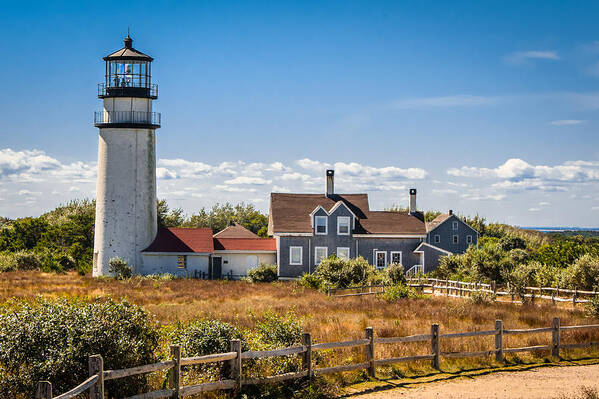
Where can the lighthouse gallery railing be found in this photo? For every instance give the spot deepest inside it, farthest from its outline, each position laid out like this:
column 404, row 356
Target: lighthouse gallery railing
column 132, row 117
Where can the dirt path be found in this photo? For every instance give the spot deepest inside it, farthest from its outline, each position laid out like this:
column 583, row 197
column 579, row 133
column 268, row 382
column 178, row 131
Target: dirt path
column 540, row 382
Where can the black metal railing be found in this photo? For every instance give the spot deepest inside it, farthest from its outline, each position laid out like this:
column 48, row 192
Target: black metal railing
column 127, row 117
column 150, row 91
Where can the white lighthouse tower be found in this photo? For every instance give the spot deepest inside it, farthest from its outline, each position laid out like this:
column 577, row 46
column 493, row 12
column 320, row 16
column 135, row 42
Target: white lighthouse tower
column 126, row 188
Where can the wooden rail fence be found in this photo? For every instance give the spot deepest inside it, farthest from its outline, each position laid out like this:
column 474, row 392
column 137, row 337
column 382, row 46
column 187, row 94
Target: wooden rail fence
column 97, row 374
column 461, row 289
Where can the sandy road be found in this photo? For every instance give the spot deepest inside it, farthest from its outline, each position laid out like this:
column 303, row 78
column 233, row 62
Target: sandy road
column 541, row 382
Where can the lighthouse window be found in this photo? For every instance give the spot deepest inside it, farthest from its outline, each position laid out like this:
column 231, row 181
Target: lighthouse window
column 182, row 262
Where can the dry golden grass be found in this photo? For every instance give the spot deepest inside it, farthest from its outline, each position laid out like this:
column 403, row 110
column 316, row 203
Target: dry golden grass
column 328, row 319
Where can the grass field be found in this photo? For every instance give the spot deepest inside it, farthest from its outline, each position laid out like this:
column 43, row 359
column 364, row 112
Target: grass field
column 327, row 319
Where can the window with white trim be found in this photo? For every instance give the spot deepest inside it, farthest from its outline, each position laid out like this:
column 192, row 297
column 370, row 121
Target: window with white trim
column 456, row 239
column 396, row 257
column 343, row 252
column 381, row 259
column 437, row 238
column 321, row 224
column 455, row 225
column 320, row 253
column 181, row 261
column 468, row 239
column 343, row 223
column 295, row 255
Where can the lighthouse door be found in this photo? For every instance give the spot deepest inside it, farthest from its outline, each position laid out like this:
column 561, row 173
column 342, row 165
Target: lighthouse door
column 217, row 267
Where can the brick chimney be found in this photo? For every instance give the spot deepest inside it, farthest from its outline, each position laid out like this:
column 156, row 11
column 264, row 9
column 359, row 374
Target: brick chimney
column 330, row 182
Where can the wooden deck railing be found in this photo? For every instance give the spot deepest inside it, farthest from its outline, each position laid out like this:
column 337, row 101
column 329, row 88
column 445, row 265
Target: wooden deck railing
column 97, row 374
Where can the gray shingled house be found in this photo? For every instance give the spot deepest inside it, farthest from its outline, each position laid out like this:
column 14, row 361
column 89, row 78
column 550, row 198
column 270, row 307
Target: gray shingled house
column 311, row 227
column 446, row 234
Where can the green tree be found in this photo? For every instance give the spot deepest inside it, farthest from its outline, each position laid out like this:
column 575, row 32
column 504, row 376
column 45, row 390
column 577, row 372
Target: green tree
column 169, row 217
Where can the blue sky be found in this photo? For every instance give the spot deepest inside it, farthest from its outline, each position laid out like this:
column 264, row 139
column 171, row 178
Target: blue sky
column 485, row 107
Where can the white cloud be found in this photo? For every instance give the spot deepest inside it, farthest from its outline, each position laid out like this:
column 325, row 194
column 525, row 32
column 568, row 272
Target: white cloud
column 544, row 203
column 389, row 172
column 520, row 58
column 313, row 165
column 595, row 208
column 29, row 193
column 517, row 170
column 483, row 197
column 445, row 191
column 464, row 100
column 248, row 180
column 566, row 122
column 534, row 209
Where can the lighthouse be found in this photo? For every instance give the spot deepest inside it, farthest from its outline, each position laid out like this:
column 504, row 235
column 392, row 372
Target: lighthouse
column 126, row 187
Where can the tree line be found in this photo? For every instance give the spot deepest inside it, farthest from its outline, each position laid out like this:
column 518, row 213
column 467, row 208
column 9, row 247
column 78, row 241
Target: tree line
column 63, row 239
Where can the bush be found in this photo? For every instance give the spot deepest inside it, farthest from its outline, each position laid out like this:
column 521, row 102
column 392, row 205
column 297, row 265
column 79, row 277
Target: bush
column 51, row 340
column 592, row 307
column 397, row 292
column 205, row 337
column 583, row 274
column 341, row 273
column 508, row 243
column 8, row 262
column 396, row 273
column 311, row 281
column 480, row 297
column 119, row 268
column 263, row 273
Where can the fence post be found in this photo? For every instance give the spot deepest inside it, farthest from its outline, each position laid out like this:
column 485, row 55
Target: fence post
column 553, row 297
column 44, row 390
column 369, row 350
column 236, row 364
column 96, row 366
column 175, row 380
column 435, row 349
column 307, row 355
column 499, row 340
column 532, row 297
column 575, row 296
column 494, row 287
column 555, row 337
column 433, row 287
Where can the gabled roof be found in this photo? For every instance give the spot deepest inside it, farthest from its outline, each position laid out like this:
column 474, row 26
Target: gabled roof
column 235, row 230
column 176, row 239
column 424, row 244
column 290, row 213
column 433, row 224
column 245, row 244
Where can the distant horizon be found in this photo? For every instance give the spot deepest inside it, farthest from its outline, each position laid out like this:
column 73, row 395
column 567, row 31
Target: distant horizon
column 485, row 108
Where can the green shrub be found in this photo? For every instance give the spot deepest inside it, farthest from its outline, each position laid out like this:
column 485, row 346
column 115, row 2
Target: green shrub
column 397, row 292
column 119, row 268
column 311, row 281
column 8, row 263
column 396, row 273
column 481, row 297
column 263, row 273
column 592, row 307
column 51, row 340
column 341, row 273
column 508, row 243
column 205, row 337
column 583, row 274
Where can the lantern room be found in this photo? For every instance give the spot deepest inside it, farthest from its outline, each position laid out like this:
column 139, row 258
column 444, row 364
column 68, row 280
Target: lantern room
column 128, row 74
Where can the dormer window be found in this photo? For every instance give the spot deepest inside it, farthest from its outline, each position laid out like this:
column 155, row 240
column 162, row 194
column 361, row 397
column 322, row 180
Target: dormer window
column 343, row 225
column 321, row 225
